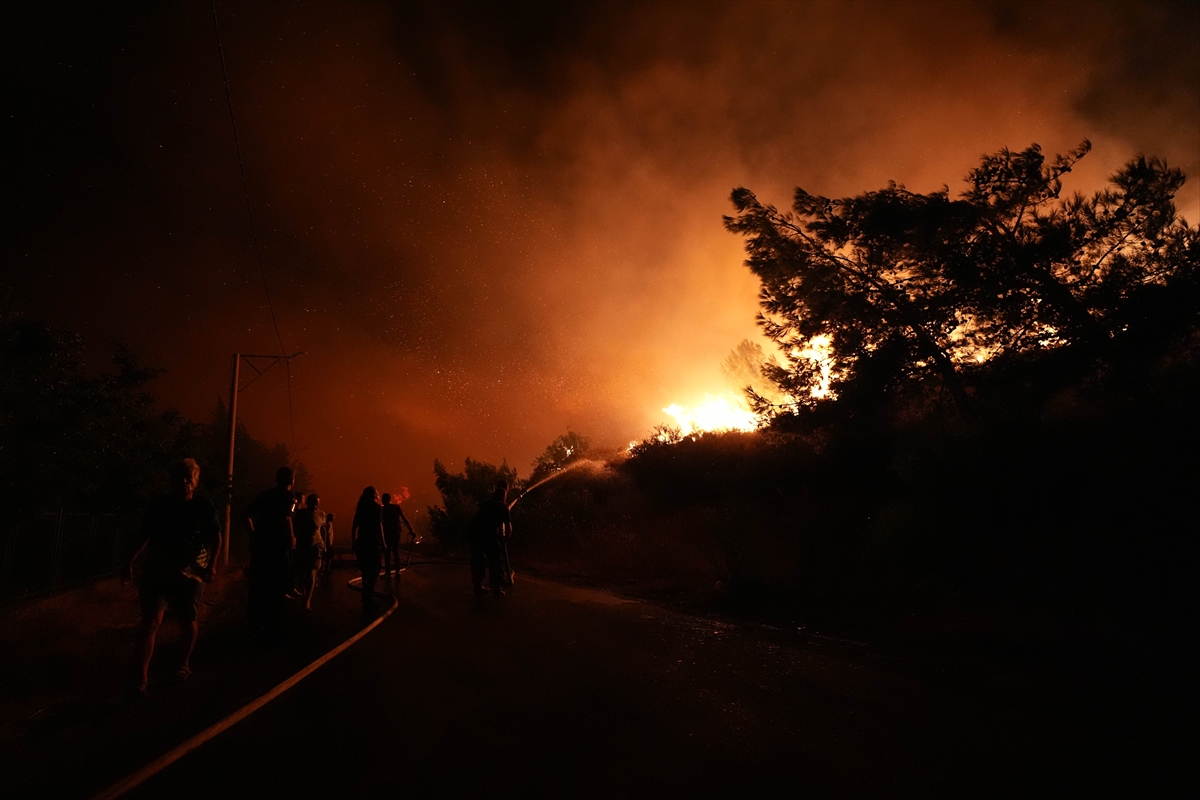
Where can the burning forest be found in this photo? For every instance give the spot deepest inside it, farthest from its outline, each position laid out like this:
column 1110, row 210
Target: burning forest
column 734, row 331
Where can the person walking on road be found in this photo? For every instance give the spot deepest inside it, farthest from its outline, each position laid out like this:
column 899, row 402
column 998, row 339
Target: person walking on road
column 366, row 538
column 309, row 547
column 489, row 534
column 269, row 520
column 393, row 517
column 177, row 548
column 327, row 544
column 294, row 588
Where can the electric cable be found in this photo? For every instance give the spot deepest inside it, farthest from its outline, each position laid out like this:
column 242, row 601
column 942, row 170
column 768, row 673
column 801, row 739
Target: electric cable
column 237, row 145
column 291, row 418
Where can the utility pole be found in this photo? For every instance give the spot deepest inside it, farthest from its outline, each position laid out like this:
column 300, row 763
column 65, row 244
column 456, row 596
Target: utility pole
column 227, row 529
column 235, row 389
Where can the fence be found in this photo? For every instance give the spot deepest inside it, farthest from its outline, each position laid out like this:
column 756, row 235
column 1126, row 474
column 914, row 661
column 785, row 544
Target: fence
column 46, row 553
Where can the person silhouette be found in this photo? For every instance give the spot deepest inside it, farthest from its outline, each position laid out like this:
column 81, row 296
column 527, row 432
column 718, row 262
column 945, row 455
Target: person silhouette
column 269, row 521
column 489, row 533
column 366, row 538
column 179, row 540
column 327, row 543
column 309, row 547
column 393, row 517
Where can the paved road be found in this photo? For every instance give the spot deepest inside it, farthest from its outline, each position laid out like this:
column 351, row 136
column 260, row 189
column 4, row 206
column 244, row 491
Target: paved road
column 566, row 692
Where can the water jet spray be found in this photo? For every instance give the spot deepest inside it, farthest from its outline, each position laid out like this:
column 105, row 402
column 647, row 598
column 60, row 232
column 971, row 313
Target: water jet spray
column 558, row 473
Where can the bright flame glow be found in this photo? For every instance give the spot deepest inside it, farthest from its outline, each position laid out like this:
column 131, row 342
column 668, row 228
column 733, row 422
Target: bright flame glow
column 820, row 350
column 714, row 414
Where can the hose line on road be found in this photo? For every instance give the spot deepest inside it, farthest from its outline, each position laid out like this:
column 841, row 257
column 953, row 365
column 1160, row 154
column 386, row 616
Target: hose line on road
column 170, row 757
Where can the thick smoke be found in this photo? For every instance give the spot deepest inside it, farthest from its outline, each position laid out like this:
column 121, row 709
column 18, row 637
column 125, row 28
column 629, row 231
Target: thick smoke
column 488, row 223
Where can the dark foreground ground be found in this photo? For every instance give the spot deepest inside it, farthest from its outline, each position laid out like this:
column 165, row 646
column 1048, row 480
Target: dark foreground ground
column 561, row 691
column 67, row 725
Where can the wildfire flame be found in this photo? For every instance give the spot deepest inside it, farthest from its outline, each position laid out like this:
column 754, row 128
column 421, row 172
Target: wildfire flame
column 818, row 350
column 714, row 414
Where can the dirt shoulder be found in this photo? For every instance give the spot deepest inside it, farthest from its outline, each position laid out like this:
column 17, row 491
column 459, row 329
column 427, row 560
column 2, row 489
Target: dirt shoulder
column 79, row 643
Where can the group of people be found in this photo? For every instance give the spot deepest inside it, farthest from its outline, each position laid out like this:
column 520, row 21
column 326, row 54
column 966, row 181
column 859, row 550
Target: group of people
column 294, row 545
column 290, row 546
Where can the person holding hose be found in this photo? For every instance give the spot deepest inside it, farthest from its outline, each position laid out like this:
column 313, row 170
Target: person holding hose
column 489, row 534
column 393, row 517
column 366, row 538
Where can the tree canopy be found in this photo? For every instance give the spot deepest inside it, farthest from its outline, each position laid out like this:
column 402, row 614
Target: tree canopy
column 462, row 492
column 70, row 437
column 906, row 289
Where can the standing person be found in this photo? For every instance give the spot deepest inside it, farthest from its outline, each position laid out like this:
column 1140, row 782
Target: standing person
column 309, row 546
column 269, row 520
column 327, row 540
column 294, row 588
column 393, row 516
column 179, row 541
column 489, row 535
column 366, row 537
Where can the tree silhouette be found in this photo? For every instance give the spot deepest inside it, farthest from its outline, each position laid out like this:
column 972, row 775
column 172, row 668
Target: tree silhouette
column 461, row 494
column 79, row 439
column 910, row 287
column 744, row 367
column 562, row 451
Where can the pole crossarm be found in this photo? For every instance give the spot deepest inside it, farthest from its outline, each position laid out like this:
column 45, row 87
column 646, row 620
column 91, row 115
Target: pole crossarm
column 260, row 372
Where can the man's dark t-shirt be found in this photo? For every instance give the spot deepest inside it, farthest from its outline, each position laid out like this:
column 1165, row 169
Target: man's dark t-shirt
column 182, row 536
column 491, row 515
column 391, row 521
column 270, row 512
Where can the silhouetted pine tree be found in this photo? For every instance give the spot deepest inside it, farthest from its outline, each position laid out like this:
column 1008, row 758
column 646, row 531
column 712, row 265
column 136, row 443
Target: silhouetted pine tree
column 912, row 287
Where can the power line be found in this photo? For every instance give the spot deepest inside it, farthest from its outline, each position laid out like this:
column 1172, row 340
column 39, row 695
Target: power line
column 291, row 418
column 245, row 185
column 237, row 145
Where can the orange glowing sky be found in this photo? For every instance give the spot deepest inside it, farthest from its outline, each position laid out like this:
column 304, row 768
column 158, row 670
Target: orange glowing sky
column 486, row 224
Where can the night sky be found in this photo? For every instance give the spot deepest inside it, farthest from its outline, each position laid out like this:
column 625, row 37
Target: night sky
column 488, row 223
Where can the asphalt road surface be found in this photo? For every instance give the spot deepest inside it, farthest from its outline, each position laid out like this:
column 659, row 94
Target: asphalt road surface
column 556, row 691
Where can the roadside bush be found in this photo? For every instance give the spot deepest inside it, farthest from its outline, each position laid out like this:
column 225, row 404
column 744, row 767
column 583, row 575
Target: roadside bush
column 461, row 494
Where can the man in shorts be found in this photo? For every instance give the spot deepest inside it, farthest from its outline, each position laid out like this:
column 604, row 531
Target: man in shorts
column 177, row 549
column 393, row 516
column 309, row 545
